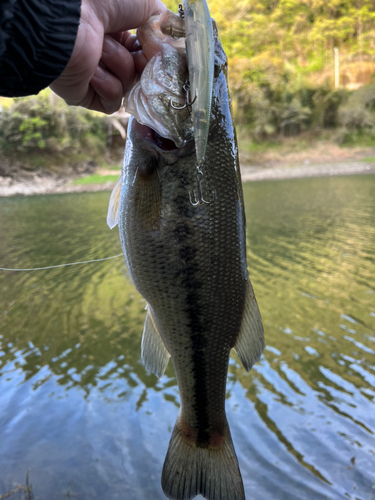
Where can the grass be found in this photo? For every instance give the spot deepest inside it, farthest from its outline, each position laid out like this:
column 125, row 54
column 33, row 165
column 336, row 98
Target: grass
column 95, row 179
column 358, row 139
column 279, row 145
column 49, row 160
column 110, row 166
column 308, row 147
column 28, row 490
column 305, row 141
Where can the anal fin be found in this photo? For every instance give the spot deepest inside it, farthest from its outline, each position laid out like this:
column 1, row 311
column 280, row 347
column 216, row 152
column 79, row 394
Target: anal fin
column 250, row 341
column 155, row 355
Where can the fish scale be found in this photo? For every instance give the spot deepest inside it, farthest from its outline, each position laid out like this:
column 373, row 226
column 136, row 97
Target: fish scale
column 199, row 297
column 189, row 263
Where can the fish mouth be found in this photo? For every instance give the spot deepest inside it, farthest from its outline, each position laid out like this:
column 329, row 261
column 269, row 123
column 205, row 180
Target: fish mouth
column 161, row 78
column 164, row 146
column 152, row 137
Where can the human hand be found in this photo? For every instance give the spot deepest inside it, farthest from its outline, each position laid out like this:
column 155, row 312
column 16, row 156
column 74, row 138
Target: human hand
column 103, row 65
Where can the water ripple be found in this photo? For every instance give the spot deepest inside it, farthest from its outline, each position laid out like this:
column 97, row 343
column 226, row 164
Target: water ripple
column 78, row 408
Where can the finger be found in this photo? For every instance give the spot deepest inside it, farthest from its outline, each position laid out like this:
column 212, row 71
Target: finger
column 132, row 43
column 129, row 14
column 96, row 104
column 93, row 101
column 140, row 61
column 121, row 36
column 73, row 83
column 108, row 91
column 119, row 61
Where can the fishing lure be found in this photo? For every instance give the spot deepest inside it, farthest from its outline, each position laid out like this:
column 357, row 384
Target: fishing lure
column 200, row 60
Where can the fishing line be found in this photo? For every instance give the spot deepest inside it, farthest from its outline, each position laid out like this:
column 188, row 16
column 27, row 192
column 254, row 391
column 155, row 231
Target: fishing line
column 62, row 265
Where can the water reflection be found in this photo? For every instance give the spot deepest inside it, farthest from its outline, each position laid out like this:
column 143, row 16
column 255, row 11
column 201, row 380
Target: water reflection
column 77, row 407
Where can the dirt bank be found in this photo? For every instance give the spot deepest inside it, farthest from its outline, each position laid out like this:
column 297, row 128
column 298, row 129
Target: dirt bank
column 301, row 171
column 47, row 185
column 51, row 184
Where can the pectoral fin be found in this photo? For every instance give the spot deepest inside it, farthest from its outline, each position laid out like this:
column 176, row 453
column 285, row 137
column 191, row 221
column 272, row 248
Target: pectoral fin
column 250, row 341
column 114, row 205
column 155, row 355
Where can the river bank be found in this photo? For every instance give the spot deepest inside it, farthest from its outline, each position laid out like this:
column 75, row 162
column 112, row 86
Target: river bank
column 321, row 161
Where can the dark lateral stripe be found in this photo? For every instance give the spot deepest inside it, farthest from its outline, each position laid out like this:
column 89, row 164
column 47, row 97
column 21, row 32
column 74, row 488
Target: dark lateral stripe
column 199, row 366
column 188, row 274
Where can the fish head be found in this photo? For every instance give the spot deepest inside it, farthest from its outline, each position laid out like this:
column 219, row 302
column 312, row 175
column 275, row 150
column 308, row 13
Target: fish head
column 162, row 81
column 160, row 140
column 161, row 87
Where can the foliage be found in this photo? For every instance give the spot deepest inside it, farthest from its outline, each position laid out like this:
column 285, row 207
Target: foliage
column 45, row 122
column 299, row 35
column 281, row 70
column 277, row 109
column 281, row 65
column 357, row 116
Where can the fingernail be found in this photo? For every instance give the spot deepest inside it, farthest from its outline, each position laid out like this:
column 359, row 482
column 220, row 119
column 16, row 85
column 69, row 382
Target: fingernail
column 137, row 46
column 109, row 45
column 100, row 73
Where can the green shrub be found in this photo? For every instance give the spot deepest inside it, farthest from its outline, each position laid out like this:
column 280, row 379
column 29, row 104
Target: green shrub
column 357, row 116
column 44, row 122
column 278, row 108
column 359, row 110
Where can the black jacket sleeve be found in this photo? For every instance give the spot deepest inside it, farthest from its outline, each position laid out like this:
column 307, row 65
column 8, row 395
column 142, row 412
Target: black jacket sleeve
column 36, row 41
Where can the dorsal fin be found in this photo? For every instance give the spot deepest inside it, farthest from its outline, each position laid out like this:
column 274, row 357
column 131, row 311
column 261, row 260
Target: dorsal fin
column 114, row 205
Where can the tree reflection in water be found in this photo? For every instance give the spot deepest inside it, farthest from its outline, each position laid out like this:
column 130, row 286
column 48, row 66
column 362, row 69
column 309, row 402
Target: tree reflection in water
column 77, row 403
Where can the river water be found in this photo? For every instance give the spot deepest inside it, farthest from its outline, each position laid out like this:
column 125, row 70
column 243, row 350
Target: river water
column 82, row 417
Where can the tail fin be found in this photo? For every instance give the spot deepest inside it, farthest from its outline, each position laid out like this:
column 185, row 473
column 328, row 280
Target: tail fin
column 212, row 472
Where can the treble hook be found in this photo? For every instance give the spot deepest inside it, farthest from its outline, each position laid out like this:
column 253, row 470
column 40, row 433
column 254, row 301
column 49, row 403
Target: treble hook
column 181, row 10
column 200, row 200
column 188, row 104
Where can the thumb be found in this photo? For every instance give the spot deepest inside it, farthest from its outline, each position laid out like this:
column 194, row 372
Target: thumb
column 123, row 15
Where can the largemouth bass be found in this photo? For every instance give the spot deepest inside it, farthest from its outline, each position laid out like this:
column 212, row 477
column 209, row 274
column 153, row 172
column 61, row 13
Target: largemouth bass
column 188, row 262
